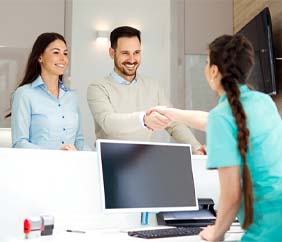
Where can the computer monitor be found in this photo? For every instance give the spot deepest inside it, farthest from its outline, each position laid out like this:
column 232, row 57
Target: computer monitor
column 143, row 176
column 259, row 32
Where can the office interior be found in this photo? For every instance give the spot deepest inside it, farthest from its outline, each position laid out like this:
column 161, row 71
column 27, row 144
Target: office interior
column 175, row 34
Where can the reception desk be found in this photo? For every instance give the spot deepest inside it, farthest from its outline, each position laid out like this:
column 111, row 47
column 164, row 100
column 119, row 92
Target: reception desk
column 66, row 185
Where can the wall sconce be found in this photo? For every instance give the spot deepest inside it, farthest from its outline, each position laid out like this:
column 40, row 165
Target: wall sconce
column 102, row 35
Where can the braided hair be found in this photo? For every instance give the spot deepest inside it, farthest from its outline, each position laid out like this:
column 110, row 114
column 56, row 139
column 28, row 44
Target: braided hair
column 234, row 57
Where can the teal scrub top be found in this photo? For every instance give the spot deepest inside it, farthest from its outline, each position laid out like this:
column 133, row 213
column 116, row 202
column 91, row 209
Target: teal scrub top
column 264, row 157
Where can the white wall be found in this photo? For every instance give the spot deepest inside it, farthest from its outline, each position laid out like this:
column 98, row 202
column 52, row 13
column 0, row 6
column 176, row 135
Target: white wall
column 20, row 24
column 22, row 21
column 91, row 61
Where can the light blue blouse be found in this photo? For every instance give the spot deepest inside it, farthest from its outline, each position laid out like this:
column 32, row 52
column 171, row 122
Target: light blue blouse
column 264, row 157
column 42, row 121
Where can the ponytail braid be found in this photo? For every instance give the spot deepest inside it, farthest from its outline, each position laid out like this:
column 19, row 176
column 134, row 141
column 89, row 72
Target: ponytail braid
column 234, row 57
column 233, row 95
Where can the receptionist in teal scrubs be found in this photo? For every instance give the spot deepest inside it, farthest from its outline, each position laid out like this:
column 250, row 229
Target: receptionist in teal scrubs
column 244, row 142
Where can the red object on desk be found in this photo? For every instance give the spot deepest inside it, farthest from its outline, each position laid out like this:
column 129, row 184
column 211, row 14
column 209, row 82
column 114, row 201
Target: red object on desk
column 32, row 227
column 26, row 226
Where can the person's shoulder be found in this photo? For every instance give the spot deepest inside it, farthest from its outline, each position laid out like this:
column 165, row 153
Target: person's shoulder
column 72, row 92
column 221, row 114
column 101, row 82
column 24, row 90
column 100, row 87
column 218, row 120
column 258, row 98
column 260, row 95
column 221, row 108
column 146, row 80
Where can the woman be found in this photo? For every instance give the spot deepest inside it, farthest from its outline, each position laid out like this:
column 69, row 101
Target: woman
column 45, row 113
column 243, row 142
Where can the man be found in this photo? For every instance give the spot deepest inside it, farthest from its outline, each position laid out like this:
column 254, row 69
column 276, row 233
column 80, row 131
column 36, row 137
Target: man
column 119, row 102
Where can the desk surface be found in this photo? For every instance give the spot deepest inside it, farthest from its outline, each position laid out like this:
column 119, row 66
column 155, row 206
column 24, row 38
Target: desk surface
column 66, row 185
column 117, row 235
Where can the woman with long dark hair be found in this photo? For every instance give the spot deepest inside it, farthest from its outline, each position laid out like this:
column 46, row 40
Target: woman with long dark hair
column 45, row 113
column 243, row 142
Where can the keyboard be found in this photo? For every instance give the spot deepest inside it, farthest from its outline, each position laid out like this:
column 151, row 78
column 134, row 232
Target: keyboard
column 163, row 233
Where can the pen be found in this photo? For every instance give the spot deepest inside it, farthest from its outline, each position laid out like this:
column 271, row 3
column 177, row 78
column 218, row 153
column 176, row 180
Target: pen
column 76, row 231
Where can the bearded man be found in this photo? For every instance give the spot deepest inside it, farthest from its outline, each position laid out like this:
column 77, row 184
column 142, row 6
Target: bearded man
column 120, row 101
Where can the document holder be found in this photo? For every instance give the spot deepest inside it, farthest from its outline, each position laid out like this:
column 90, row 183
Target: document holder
column 206, row 215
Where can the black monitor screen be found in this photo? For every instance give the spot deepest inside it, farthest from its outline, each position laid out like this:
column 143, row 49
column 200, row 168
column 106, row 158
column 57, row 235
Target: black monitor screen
column 146, row 176
column 259, row 32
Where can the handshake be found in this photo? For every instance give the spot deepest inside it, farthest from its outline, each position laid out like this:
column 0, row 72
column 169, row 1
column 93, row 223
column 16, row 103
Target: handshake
column 160, row 117
column 157, row 118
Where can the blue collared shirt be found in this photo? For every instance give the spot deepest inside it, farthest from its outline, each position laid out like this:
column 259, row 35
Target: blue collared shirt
column 42, row 121
column 121, row 80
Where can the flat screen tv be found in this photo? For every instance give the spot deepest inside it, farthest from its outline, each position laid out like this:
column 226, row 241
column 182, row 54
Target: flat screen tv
column 259, row 32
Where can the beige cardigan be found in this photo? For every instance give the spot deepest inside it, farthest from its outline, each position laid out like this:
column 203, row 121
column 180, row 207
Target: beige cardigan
column 116, row 107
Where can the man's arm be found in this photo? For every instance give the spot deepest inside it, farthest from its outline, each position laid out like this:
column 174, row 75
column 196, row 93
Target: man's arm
column 182, row 134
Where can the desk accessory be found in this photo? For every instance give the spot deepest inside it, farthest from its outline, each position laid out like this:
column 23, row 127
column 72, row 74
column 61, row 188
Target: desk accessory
column 75, row 231
column 38, row 226
column 32, row 227
column 144, row 218
column 47, row 225
column 206, row 215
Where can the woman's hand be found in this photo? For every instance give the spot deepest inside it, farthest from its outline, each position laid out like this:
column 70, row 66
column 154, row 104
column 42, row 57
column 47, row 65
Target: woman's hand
column 68, row 147
column 167, row 112
column 155, row 109
column 192, row 118
column 201, row 151
column 209, row 234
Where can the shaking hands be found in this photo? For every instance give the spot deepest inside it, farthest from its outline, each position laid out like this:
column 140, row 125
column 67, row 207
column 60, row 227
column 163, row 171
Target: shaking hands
column 160, row 117
column 154, row 119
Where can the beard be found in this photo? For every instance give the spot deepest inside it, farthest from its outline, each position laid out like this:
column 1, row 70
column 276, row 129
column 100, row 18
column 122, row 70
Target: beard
column 127, row 72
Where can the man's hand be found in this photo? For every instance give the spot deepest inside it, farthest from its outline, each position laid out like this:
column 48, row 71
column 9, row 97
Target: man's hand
column 156, row 121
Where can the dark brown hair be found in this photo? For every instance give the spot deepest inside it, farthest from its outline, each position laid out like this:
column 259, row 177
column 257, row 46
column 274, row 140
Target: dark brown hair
column 234, row 57
column 33, row 68
column 123, row 31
